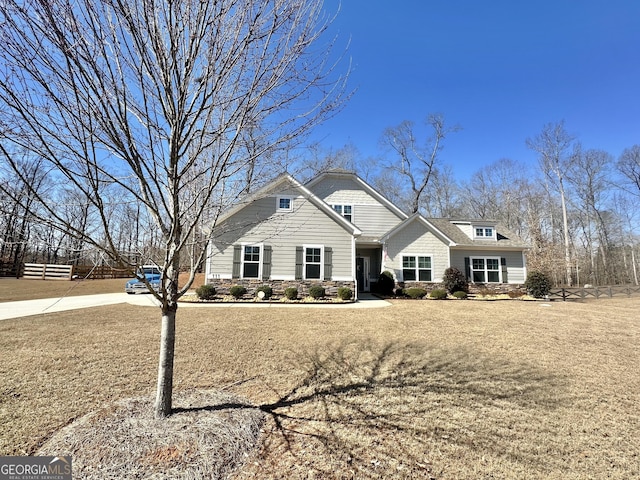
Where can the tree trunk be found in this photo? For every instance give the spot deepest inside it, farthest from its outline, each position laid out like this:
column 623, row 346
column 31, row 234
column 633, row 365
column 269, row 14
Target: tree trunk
column 565, row 222
column 633, row 261
column 165, row 364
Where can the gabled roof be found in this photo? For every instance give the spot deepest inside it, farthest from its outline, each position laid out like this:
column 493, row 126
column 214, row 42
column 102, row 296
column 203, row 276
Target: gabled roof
column 506, row 238
column 339, row 172
column 273, row 188
column 416, row 217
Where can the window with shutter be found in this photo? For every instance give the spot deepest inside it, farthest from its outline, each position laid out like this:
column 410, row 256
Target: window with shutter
column 485, row 270
column 299, row 262
column 237, row 261
column 266, row 262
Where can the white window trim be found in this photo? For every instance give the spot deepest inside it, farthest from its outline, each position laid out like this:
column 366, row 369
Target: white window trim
column 260, row 260
column 341, row 212
column 282, row 197
column 486, row 276
column 416, row 255
column 483, row 237
column 304, row 262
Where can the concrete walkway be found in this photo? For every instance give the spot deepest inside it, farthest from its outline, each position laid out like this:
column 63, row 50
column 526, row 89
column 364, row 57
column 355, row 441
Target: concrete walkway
column 43, row 306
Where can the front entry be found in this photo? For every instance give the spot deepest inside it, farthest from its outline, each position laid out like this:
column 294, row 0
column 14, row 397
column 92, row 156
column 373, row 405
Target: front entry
column 362, row 273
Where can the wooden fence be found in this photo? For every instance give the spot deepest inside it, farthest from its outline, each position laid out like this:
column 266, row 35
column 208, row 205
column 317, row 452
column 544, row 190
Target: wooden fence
column 45, row 271
column 567, row 293
column 42, row 271
column 101, row 272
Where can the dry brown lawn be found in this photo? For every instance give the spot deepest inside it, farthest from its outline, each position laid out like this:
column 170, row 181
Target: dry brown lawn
column 422, row 389
column 12, row 289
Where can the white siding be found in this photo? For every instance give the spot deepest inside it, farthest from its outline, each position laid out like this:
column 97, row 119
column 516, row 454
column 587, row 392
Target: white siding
column 372, row 217
column 416, row 239
column 260, row 222
column 374, row 220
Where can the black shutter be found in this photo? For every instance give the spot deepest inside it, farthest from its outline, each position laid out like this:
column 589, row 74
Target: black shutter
column 328, row 263
column 467, row 268
column 237, row 261
column 503, row 263
column 299, row 260
column 266, row 262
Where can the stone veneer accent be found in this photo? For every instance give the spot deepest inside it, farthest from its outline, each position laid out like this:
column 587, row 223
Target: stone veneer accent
column 474, row 288
column 279, row 286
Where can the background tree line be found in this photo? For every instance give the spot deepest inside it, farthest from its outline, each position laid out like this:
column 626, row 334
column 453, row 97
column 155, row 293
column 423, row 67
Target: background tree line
column 577, row 207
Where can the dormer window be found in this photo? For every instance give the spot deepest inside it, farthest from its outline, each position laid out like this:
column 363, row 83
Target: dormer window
column 285, row 204
column 485, row 232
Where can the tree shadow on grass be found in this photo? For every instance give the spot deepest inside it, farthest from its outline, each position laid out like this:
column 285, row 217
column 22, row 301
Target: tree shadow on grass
column 370, row 410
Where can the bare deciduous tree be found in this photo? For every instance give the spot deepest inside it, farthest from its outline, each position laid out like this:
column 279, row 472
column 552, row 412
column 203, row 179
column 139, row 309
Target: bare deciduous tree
column 553, row 145
column 629, row 165
column 142, row 100
column 416, row 161
column 588, row 175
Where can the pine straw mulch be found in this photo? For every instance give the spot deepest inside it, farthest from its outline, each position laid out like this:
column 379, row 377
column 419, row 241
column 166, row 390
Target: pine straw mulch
column 209, row 435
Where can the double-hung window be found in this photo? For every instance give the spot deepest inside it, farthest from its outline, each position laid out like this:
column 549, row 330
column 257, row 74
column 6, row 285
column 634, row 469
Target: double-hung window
column 485, row 270
column 345, row 210
column 251, row 261
column 313, row 263
column 484, row 232
column 416, row 268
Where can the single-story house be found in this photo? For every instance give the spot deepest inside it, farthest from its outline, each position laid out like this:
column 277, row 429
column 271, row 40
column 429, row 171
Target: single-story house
column 337, row 230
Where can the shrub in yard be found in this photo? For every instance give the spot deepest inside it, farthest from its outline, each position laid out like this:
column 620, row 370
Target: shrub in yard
column 385, row 283
column 515, row 293
column 316, row 291
column 268, row 291
column 291, row 293
column 399, row 292
column 345, row 293
column 237, row 291
column 415, row 292
column 439, row 294
column 455, row 281
column 459, row 294
column 206, row 292
column 537, row 284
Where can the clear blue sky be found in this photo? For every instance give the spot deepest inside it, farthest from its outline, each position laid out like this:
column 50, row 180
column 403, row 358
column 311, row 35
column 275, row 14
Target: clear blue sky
column 501, row 69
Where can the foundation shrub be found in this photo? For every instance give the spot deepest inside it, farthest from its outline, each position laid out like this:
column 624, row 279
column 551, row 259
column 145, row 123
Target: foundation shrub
column 455, row 281
column 291, row 293
column 438, row 294
column 268, row 291
column 415, row 292
column 385, row 283
column 206, row 292
column 537, row 284
column 460, row 295
column 237, row 291
column 316, row 291
column 345, row 293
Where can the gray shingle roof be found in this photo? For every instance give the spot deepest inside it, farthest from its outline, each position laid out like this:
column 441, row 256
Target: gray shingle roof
column 506, row 238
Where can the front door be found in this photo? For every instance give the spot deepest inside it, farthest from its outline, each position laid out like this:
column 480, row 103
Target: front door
column 362, row 273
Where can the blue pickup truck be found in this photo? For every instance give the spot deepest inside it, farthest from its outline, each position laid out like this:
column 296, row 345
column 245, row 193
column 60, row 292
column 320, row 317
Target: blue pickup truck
column 136, row 285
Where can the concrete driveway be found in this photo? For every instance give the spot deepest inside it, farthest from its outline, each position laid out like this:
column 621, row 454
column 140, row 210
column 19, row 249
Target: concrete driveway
column 43, row 306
